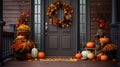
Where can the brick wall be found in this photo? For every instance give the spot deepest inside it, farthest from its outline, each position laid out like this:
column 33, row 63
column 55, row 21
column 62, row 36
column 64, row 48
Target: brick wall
column 99, row 8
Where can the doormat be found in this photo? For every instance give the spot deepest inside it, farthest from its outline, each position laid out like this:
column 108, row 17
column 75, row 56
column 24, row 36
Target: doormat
column 59, row 59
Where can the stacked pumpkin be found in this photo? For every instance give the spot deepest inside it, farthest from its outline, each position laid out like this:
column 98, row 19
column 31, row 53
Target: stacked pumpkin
column 90, row 55
column 21, row 46
column 102, row 57
column 26, row 48
column 35, row 54
column 78, row 55
column 109, row 49
column 104, row 40
column 90, row 44
column 86, row 53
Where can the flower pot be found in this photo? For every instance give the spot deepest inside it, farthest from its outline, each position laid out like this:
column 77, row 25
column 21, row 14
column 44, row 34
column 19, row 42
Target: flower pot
column 20, row 56
column 111, row 54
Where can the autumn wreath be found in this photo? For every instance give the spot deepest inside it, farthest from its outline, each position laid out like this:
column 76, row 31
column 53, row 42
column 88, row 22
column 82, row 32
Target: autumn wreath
column 52, row 14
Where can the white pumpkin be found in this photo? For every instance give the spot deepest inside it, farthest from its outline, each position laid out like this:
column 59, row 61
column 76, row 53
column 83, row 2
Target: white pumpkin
column 34, row 52
column 85, row 53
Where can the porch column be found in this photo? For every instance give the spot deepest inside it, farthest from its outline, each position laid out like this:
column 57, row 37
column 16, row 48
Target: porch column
column 1, row 29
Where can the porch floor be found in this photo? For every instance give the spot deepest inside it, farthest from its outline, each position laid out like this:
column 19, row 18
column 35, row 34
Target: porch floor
column 81, row 63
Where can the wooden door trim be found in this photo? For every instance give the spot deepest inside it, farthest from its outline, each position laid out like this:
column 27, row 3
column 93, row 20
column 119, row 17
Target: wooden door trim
column 77, row 26
column 42, row 40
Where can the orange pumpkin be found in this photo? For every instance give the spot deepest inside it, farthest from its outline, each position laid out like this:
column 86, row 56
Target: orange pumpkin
column 20, row 37
column 41, row 55
column 28, row 56
column 90, row 56
column 90, row 44
column 104, row 40
column 100, row 54
column 104, row 58
column 78, row 55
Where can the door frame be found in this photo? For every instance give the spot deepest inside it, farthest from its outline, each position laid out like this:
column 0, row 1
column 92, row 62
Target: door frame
column 42, row 46
column 77, row 24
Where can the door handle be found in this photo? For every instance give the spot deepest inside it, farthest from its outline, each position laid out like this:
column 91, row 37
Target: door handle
column 46, row 28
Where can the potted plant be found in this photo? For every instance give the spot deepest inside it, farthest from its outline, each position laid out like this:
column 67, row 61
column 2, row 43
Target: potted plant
column 110, row 50
column 22, row 44
column 21, row 47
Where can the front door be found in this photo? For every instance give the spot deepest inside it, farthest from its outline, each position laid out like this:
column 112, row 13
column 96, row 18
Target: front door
column 61, row 41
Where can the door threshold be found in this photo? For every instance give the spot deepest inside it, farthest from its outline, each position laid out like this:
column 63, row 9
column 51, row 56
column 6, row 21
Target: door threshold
column 59, row 56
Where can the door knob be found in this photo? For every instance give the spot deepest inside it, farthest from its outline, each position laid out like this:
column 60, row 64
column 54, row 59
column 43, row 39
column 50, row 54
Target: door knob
column 46, row 28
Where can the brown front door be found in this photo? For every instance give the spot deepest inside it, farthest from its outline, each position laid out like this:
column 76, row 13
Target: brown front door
column 61, row 41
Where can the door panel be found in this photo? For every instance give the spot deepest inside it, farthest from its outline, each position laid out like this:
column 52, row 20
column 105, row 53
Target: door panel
column 61, row 41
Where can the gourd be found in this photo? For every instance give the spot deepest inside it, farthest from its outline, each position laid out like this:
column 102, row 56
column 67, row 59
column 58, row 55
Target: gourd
column 34, row 52
column 41, row 55
column 78, row 55
column 85, row 53
column 90, row 56
column 90, row 44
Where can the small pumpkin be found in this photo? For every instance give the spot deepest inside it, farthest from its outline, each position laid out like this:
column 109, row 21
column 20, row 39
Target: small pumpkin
column 90, row 56
column 104, row 40
column 28, row 56
column 78, row 55
column 100, row 54
column 104, row 58
column 41, row 55
column 20, row 37
column 90, row 44
column 85, row 53
column 34, row 52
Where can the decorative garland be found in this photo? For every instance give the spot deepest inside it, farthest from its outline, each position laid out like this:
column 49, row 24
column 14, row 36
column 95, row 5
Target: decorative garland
column 52, row 14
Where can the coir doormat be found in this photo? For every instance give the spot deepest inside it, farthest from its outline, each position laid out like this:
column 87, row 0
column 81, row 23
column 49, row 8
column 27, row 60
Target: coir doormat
column 54, row 59
column 59, row 59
